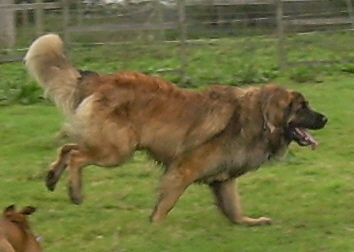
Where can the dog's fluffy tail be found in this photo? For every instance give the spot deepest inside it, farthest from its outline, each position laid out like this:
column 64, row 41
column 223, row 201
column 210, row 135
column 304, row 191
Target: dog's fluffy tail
column 47, row 63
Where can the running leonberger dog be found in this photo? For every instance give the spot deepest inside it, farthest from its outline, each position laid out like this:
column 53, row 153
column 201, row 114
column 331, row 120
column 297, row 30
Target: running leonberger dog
column 211, row 137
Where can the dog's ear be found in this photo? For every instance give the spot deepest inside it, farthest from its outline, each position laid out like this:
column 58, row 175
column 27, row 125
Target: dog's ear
column 28, row 210
column 265, row 107
column 274, row 101
column 8, row 211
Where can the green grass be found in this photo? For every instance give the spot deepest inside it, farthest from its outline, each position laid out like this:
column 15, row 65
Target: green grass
column 244, row 60
column 309, row 194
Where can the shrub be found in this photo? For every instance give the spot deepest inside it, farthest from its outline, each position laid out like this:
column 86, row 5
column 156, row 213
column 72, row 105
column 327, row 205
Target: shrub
column 348, row 68
column 304, row 74
column 252, row 74
column 17, row 92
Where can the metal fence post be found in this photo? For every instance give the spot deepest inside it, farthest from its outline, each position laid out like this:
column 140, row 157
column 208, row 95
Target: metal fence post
column 66, row 21
column 183, row 35
column 282, row 59
column 80, row 11
column 39, row 18
column 160, row 33
column 350, row 12
column 24, row 17
column 7, row 27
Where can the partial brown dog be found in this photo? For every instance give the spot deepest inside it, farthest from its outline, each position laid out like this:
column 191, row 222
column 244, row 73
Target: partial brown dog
column 15, row 232
column 211, row 137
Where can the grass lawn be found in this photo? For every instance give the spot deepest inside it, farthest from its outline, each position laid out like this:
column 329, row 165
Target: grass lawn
column 309, row 195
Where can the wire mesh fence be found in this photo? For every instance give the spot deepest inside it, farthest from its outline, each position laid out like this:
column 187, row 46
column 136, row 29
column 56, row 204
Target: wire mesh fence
column 276, row 33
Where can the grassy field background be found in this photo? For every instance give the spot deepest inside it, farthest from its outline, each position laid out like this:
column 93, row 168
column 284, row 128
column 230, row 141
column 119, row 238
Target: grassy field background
column 309, row 195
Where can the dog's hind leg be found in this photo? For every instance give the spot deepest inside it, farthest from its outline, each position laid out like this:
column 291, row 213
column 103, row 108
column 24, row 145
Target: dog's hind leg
column 228, row 201
column 77, row 160
column 104, row 156
column 58, row 166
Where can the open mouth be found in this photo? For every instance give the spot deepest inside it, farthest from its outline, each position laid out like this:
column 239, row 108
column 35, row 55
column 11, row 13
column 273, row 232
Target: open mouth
column 303, row 137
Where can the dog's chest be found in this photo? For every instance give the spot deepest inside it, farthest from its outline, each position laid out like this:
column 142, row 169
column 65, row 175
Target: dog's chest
column 237, row 163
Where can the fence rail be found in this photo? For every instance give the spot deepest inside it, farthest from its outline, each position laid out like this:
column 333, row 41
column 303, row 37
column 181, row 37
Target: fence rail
column 178, row 21
column 31, row 6
column 241, row 2
column 123, row 27
column 320, row 21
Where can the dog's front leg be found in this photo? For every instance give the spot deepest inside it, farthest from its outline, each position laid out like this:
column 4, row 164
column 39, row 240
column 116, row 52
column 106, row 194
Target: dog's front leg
column 173, row 184
column 228, row 201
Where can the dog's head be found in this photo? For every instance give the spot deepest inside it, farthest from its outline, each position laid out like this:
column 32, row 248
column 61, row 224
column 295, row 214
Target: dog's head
column 18, row 217
column 289, row 112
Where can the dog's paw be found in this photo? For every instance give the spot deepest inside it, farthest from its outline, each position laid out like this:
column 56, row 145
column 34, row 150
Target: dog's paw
column 264, row 221
column 255, row 222
column 76, row 201
column 51, row 180
column 75, row 197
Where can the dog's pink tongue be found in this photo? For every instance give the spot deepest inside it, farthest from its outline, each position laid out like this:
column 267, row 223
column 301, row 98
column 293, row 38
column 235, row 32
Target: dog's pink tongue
column 313, row 142
column 307, row 137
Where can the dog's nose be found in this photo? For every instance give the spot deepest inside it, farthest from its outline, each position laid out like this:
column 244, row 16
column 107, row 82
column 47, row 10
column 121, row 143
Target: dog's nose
column 324, row 119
